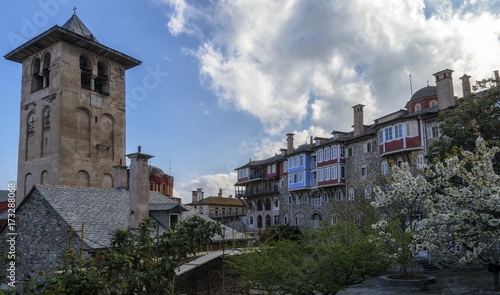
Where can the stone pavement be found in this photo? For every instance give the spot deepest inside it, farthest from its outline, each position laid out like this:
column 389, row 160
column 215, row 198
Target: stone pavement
column 448, row 282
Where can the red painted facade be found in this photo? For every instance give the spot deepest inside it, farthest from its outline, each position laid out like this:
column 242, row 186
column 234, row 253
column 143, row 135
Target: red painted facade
column 163, row 184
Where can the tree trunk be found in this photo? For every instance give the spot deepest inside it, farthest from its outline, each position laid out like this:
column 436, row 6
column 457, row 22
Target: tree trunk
column 404, row 271
column 496, row 285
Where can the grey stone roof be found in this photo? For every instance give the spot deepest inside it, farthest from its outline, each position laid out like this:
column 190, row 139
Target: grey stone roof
column 75, row 25
column 424, row 92
column 102, row 211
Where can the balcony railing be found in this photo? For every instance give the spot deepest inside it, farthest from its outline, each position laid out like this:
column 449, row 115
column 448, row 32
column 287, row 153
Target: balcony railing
column 258, row 191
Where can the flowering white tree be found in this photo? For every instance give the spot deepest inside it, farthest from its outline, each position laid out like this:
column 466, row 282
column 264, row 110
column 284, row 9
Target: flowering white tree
column 399, row 208
column 462, row 198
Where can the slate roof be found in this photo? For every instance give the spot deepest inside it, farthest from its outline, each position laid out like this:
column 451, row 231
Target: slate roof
column 101, row 210
column 76, row 33
column 75, row 25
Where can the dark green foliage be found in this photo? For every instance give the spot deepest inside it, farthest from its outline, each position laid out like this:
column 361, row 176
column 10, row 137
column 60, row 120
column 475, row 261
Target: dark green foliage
column 140, row 262
column 325, row 260
column 477, row 114
column 281, row 232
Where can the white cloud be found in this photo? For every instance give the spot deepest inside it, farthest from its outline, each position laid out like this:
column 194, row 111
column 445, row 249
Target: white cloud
column 209, row 183
column 290, row 62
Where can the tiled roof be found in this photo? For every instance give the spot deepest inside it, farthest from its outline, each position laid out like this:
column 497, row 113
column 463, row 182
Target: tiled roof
column 219, row 201
column 102, row 211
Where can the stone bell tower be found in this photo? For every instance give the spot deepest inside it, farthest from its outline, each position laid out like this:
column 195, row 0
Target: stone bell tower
column 72, row 123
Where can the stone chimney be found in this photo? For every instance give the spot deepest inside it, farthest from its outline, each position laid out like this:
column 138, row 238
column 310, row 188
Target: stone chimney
column 359, row 128
column 465, row 85
column 289, row 143
column 195, row 196
column 497, row 77
column 138, row 195
column 444, row 85
column 220, row 193
column 199, row 194
column 121, row 176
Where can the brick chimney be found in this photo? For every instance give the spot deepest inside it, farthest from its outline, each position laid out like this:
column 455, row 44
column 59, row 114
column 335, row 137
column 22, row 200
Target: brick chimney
column 138, row 195
column 220, row 193
column 465, row 85
column 121, row 176
column 444, row 85
column 359, row 128
column 289, row 143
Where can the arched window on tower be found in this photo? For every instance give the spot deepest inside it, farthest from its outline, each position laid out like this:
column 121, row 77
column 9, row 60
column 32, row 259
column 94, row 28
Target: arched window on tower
column 45, row 70
column 101, row 82
column 45, row 132
column 86, row 72
column 31, row 123
column 36, row 76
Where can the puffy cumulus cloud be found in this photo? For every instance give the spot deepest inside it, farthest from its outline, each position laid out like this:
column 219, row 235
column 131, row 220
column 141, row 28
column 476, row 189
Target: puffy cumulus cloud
column 308, row 62
column 209, row 183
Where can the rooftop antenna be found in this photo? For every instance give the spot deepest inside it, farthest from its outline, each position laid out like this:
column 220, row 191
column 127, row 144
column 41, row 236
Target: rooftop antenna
column 411, row 87
column 169, row 167
column 427, row 82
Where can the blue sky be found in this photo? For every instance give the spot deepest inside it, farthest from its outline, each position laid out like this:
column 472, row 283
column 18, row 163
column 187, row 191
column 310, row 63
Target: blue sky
column 235, row 76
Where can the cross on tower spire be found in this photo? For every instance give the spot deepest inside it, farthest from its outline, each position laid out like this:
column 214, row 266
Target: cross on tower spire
column 74, row 9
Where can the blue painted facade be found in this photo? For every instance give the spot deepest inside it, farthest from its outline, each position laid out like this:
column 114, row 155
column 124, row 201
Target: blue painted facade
column 299, row 174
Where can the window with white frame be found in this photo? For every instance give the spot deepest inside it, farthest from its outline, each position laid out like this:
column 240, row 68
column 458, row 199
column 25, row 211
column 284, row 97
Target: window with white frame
column 342, row 172
column 316, row 221
column 334, row 152
column 334, row 173
column 388, row 134
column 339, row 195
column 305, row 199
column 420, row 161
column 301, row 160
column 273, row 168
column 324, row 197
column 364, row 170
column 350, row 195
column 435, row 130
column 384, row 167
column 333, row 220
column 381, row 136
column 327, row 154
column 316, row 200
column 368, row 146
column 320, row 156
column 368, row 192
column 269, row 169
column 296, row 161
column 411, row 129
column 342, row 152
column 398, row 131
column 321, row 174
column 285, row 166
column 327, row 173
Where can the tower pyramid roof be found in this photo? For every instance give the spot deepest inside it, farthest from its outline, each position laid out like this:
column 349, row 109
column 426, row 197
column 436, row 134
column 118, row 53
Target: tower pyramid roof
column 75, row 25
